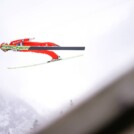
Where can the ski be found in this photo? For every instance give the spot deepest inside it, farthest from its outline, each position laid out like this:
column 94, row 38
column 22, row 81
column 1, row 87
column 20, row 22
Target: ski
column 56, row 48
column 19, row 48
column 42, row 63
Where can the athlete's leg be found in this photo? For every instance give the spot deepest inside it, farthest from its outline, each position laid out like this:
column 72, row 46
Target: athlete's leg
column 50, row 53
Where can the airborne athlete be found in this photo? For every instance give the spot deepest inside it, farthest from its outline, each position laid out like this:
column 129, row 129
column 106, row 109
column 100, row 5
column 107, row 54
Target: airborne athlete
column 26, row 45
column 28, row 42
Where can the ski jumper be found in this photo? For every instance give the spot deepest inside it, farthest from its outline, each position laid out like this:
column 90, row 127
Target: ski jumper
column 27, row 42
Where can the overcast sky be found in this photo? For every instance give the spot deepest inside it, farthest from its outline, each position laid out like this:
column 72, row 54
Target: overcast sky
column 104, row 27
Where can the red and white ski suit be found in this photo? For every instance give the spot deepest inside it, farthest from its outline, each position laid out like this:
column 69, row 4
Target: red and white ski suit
column 27, row 42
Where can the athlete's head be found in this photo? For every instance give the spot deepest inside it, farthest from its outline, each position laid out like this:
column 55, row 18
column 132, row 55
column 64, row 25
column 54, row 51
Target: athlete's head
column 2, row 45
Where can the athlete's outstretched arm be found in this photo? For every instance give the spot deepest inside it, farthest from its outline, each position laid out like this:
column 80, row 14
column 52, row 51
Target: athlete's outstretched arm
column 20, row 41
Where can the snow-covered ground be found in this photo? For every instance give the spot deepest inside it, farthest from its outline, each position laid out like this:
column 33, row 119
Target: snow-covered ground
column 105, row 28
column 16, row 116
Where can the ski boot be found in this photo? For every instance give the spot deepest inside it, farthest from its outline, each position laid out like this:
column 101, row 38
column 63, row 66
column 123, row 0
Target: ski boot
column 59, row 58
